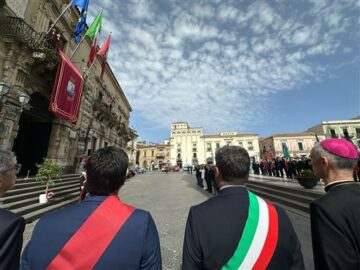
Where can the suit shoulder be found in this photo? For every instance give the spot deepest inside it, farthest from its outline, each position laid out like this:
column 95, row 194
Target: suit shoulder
column 140, row 213
column 340, row 194
column 205, row 205
column 8, row 217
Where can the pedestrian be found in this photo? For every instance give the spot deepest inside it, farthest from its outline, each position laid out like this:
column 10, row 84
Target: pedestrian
column 11, row 225
column 82, row 187
column 203, row 181
column 335, row 218
column 237, row 229
column 99, row 233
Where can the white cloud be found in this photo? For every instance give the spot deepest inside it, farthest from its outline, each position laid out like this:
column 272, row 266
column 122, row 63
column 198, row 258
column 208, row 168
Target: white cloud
column 216, row 63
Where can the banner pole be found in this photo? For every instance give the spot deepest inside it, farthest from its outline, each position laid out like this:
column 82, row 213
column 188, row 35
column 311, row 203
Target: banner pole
column 88, row 71
column 77, row 47
column 58, row 18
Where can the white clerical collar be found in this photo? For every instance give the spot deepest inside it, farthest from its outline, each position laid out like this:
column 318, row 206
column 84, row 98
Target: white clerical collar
column 337, row 181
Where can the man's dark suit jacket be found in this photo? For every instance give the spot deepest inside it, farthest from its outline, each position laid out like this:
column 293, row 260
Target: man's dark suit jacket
column 11, row 238
column 135, row 246
column 214, row 228
column 335, row 227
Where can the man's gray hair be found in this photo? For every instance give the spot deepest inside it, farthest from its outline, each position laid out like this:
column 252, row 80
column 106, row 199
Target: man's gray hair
column 5, row 158
column 339, row 163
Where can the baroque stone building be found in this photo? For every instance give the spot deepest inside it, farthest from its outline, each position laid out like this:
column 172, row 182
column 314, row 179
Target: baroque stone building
column 153, row 156
column 345, row 129
column 298, row 144
column 28, row 63
column 189, row 146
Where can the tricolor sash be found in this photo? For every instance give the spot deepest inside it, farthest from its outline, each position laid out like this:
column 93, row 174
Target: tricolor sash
column 85, row 247
column 258, row 241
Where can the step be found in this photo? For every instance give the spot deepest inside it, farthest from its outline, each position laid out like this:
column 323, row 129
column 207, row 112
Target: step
column 283, row 193
column 295, row 190
column 41, row 187
column 34, row 199
column 35, row 206
column 279, row 199
column 27, row 183
column 30, row 179
column 18, row 197
column 34, row 215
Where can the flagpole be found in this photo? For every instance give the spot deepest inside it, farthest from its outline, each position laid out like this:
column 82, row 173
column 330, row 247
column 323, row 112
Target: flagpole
column 58, row 18
column 88, row 71
column 77, row 47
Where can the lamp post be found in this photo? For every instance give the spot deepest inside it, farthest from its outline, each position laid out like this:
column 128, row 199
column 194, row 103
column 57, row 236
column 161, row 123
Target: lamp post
column 24, row 99
column 4, row 90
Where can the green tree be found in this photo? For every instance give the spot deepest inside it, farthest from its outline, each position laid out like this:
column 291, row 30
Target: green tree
column 47, row 172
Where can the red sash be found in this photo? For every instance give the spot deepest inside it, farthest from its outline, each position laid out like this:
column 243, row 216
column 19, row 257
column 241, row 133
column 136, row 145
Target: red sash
column 85, row 247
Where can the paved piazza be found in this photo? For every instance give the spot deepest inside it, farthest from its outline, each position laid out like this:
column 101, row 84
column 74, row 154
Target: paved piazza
column 168, row 197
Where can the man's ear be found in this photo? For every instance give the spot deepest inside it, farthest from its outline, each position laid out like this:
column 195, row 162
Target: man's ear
column 217, row 172
column 324, row 162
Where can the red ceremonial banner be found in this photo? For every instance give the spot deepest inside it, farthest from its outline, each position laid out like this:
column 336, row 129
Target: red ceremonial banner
column 67, row 90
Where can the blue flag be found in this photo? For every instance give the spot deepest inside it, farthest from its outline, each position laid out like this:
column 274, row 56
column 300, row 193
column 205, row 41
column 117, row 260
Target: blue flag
column 80, row 26
column 82, row 4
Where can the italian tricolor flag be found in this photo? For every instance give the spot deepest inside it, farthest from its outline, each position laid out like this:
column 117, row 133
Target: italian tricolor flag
column 258, row 241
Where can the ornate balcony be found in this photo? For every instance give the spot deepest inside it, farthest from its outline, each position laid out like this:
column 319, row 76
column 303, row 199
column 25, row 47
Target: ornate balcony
column 43, row 45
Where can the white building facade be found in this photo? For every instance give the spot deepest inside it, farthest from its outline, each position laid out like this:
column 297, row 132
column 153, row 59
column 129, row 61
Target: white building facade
column 189, row 146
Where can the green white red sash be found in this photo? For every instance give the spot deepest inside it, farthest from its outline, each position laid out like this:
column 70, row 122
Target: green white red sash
column 258, row 241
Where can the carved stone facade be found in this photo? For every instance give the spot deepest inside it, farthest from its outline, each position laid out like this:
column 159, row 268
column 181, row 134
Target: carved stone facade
column 298, row 144
column 153, row 156
column 28, row 63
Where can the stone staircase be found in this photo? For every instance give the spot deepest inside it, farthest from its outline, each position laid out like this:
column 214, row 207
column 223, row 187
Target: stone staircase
column 23, row 198
column 289, row 195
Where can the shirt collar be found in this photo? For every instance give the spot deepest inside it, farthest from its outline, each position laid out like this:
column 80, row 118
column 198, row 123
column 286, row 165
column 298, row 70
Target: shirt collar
column 229, row 186
column 329, row 186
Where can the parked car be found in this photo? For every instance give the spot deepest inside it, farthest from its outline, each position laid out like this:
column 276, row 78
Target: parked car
column 165, row 168
column 186, row 167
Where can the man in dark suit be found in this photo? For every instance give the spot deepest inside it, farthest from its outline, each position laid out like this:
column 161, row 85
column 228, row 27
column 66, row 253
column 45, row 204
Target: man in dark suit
column 101, row 232
column 237, row 229
column 335, row 218
column 11, row 225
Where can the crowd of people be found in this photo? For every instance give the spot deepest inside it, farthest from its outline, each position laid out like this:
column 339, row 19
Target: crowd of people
column 234, row 230
column 277, row 166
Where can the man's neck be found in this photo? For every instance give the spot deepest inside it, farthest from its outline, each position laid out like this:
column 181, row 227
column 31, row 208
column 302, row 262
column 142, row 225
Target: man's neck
column 336, row 176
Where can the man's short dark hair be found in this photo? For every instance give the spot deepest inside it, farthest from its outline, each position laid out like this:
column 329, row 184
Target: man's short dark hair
column 106, row 170
column 233, row 163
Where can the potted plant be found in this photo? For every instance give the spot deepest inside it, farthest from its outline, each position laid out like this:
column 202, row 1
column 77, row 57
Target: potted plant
column 307, row 178
column 47, row 172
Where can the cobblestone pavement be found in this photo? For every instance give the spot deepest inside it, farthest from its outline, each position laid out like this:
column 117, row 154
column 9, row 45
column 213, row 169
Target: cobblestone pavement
column 168, row 198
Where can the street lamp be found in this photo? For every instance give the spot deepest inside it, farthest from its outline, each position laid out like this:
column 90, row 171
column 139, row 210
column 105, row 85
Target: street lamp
column 4, row 88
column 24, row 99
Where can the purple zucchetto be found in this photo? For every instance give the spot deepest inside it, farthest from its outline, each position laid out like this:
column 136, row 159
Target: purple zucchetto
column 341, row 148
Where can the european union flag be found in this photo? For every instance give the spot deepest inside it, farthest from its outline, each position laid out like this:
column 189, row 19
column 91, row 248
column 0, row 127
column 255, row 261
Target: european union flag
column 80, row 26
column 82, row 4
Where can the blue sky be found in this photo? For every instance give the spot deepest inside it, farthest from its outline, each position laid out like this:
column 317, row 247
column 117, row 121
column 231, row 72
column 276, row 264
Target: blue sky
column 260, row 67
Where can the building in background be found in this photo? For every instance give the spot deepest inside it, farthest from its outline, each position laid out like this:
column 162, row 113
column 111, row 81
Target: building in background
column 153, row 156
column 344, row 129
column 189, row 146
column 28, row 64
column 297, row 144
column 131, row 149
